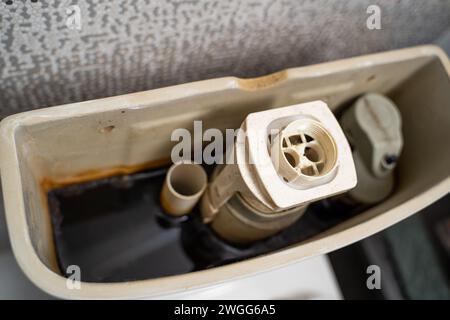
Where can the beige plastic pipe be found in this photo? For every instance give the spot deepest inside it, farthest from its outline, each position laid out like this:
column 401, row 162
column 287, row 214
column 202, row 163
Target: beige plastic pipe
column 183, row 188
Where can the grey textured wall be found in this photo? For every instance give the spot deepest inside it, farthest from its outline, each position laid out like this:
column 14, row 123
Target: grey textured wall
column 128, row 46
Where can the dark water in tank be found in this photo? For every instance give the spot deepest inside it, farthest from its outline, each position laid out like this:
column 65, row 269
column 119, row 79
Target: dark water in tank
column 115, row 230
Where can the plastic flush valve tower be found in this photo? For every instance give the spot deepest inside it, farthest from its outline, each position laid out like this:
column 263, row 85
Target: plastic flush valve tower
column 282, row 160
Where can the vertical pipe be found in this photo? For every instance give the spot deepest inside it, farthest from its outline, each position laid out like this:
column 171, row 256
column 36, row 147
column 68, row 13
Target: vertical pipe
column 183, row 187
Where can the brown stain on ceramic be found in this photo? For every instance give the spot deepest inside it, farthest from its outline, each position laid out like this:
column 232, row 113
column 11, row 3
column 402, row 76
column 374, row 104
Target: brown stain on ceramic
column 47, row 185
column 50, row 184
column 107, row 129
column 262, row 82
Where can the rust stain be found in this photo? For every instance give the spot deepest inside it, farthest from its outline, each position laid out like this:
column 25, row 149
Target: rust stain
column 263, row 82
column 107, row 129
column 50, row 184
